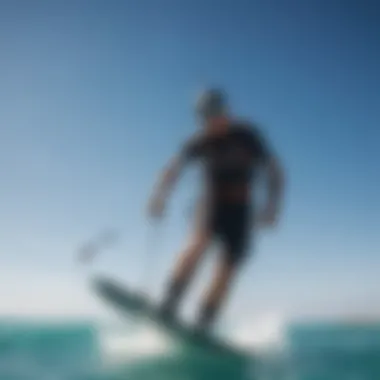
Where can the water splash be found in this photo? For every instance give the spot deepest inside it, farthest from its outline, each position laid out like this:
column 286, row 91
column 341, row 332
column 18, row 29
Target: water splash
column 266, row 332
column 123, row 344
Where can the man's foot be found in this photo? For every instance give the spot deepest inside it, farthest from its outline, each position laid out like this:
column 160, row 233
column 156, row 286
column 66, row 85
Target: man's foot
column 206, row 318
column 201, row 331
column 170, row 304
column 166, row 313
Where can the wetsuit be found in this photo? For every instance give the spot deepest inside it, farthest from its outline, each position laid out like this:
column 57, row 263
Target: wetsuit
column 230, row 162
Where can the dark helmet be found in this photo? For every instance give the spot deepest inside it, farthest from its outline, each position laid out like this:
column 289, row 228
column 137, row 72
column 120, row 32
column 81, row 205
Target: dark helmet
column 211, row 102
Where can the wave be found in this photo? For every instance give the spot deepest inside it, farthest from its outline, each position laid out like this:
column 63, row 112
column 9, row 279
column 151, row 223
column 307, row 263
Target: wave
column 36, row 350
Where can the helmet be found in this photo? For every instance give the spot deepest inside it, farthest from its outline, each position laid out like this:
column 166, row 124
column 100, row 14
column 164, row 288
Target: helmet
column 211, row 103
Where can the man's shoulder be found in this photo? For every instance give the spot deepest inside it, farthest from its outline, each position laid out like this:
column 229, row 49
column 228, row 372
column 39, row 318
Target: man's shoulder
column 245, row 128
column 194, row 140
column 253, row 135
column 193, row 144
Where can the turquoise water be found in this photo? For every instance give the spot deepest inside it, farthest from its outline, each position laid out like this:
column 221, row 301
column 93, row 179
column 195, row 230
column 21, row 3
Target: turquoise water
column 32, row 350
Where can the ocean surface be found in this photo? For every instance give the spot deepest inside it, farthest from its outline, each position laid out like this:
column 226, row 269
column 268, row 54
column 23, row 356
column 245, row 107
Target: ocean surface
column 43, row 350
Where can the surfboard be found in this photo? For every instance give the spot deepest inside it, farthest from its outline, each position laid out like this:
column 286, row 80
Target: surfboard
column 133, row 303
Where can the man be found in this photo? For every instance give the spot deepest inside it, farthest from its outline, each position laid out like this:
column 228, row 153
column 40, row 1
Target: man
column 231, row 152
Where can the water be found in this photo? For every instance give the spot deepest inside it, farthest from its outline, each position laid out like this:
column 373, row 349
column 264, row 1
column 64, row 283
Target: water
column 37, row 350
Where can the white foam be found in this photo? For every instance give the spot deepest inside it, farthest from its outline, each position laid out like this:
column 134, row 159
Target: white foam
column 129, row 341
column 261, row 333
column 121, row 345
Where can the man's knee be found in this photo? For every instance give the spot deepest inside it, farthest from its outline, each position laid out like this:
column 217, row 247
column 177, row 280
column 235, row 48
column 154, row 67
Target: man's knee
column 192, row 253
column 226, row 270
column 198, row 244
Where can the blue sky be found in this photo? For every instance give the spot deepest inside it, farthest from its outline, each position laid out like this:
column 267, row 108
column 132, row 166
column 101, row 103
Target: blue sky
column 96, row 96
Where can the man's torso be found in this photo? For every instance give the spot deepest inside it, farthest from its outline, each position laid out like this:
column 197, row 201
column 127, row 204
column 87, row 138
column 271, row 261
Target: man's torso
column 229, row 161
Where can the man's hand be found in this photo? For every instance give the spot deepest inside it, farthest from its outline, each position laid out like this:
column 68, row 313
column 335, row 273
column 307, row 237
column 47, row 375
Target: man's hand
column 169, row 177
column 156, row 207
column 268, row 217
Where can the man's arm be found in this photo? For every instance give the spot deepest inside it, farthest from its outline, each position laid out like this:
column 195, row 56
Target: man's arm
column 275, row 176
column 169, row 178
column 275, row 182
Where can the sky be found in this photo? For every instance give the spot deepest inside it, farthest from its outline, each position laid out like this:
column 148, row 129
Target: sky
column 96, row 96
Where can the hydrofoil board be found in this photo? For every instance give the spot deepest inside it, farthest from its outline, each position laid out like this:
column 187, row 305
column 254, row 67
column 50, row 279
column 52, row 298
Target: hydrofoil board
column 136, row 304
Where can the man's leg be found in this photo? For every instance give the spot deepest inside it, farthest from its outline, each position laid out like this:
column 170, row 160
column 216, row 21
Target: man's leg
column 217, row 294
column 185, row 268
column 233, row 228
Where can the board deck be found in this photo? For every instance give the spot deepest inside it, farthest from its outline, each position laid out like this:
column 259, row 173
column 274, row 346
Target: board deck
column 135, row 304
